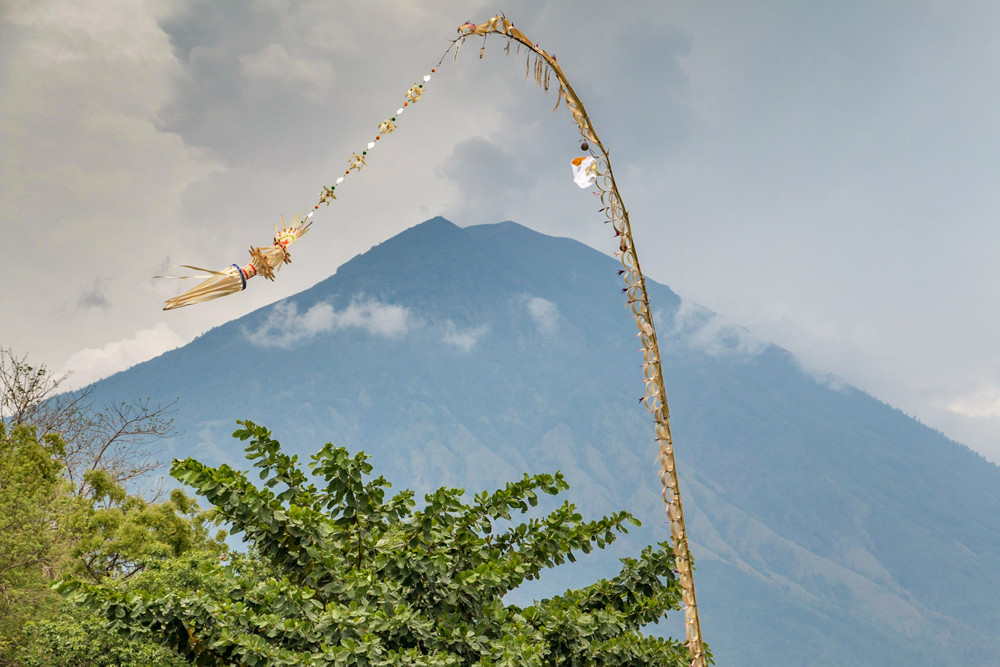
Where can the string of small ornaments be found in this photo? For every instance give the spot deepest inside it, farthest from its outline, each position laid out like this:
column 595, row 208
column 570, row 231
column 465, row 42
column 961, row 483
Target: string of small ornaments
column 357, row 161
column 266, row 260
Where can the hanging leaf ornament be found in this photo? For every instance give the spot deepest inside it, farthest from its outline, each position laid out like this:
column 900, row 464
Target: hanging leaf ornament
column 357, row 162
column 414, row 93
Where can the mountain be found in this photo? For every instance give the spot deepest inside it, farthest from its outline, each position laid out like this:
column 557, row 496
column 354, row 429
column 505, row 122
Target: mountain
column 827, row 527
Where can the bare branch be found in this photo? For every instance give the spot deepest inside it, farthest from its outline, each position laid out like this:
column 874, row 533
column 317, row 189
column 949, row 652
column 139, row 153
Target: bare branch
column 115, row 438
column 23, row 387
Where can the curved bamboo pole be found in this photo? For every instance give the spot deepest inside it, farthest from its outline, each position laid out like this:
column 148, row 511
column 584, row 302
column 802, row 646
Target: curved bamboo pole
column 613, row 207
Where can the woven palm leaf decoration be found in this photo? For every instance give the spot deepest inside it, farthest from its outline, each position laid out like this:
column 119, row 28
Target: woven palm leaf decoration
column 264, row 261
column 591, row 170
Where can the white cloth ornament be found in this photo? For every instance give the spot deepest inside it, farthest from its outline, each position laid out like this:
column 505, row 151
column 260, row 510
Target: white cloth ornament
column 584, row 171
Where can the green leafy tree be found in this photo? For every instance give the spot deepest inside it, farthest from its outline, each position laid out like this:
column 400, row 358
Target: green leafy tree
column 64, row 509
column 342, row 575
column 47, row 530
column 77, row 638
column 33, row 505
column 118, row 535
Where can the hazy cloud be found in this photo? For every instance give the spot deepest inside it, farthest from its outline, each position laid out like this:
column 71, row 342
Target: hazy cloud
column 91, row 365
column 95, row 296
column 488, row 177
column 464, row 339
column 711, row 333
column 273, row 65
column 377, row 318
column 544, row 313
column 982, row 403
column 285, row 327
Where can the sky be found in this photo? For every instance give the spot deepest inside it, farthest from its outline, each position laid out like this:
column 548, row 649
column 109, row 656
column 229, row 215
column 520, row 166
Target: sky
column 822, row 174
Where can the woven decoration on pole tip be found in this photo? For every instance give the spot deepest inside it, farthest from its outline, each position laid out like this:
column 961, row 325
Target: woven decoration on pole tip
column 264, row 261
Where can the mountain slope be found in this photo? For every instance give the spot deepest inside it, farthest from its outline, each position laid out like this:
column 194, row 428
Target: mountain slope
column 827, row 527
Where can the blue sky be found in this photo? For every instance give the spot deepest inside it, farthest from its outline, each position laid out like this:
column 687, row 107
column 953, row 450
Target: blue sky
column 820, row 173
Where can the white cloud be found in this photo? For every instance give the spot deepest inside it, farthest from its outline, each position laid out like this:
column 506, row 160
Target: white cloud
column 285, row 327
column 978, row 404
column 688, row 316
column 713, row 334
column 545, row 313
column 91, row 364
column 382, row 319
column 464, row 340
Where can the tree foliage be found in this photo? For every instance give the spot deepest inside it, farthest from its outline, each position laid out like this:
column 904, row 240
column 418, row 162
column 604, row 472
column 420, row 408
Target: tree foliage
column 47, row 531
column 33, row 505
column 78, row 638
column 339, row 573
column 64, row 508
